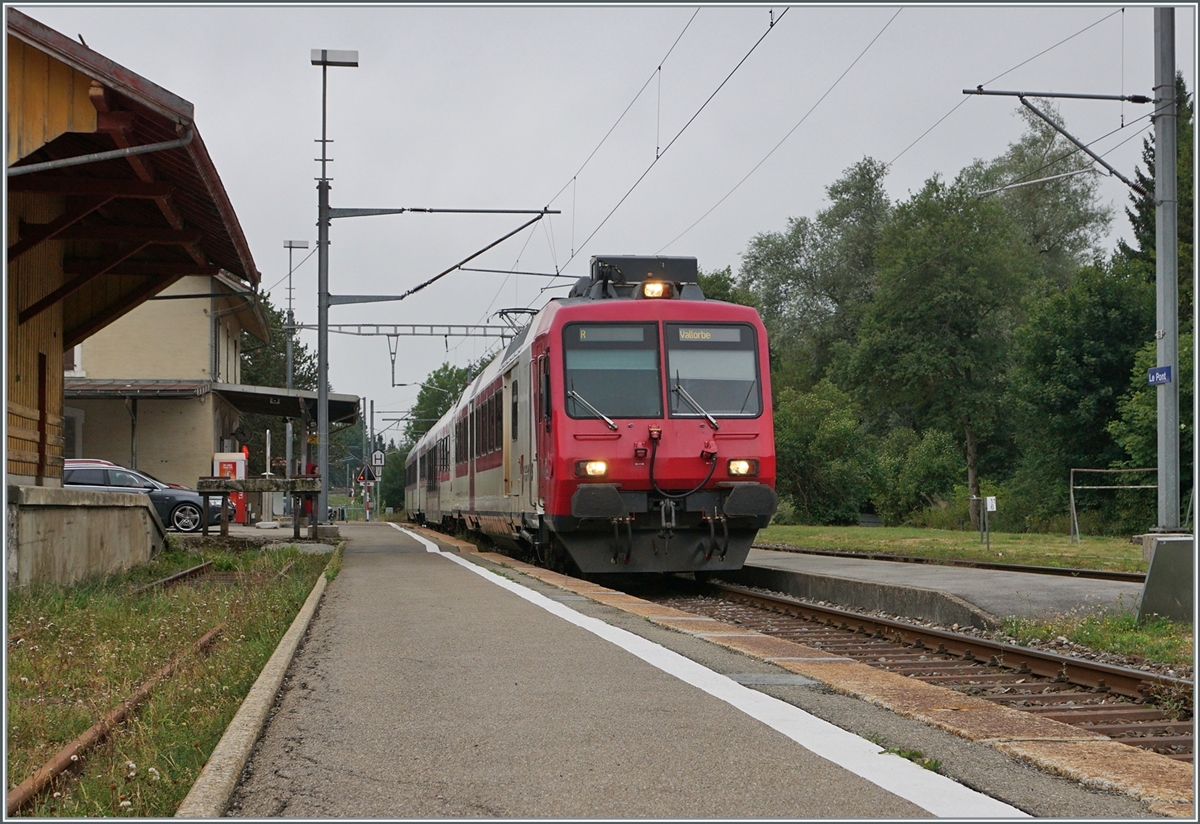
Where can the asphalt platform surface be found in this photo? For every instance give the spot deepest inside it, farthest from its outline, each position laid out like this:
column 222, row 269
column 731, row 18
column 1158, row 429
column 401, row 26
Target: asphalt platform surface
column 998, row 592
column 425, row 690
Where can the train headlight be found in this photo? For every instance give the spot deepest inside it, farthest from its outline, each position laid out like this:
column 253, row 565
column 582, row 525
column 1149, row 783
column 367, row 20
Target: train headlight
column 656, row 289
column 742, row 466
column 591, row 469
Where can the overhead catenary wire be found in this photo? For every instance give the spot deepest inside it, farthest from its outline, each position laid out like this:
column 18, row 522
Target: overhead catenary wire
column 962, row 102
column 786, row 136
column 678, row 134
column 627, row 108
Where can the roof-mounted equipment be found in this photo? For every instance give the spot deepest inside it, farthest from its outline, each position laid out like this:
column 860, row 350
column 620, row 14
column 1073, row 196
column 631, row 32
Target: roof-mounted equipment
column 636, row 277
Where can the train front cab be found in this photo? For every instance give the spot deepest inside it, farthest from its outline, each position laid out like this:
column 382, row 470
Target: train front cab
column 654, row 436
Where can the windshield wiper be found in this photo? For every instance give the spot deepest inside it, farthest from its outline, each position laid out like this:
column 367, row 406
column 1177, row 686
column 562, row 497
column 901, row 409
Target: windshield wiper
column 575, row 396
column 679, row 390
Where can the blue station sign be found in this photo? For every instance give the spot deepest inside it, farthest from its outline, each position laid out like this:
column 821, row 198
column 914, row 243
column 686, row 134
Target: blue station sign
column 1157, row 375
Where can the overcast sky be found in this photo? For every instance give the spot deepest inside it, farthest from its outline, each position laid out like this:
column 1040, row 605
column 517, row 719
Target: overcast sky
column 500, row 107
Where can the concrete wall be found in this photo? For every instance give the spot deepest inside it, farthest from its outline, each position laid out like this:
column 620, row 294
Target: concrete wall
column 62, row 536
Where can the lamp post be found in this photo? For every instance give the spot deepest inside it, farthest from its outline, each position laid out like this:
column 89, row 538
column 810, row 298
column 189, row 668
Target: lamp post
column 290, row 245
column 324, row 58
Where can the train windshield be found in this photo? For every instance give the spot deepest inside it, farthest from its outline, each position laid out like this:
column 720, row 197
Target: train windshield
column 717, row 365
column 614, row 368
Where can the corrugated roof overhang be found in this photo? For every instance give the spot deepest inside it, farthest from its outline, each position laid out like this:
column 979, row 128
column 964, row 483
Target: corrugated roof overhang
column 262, row 400
column 287, row 403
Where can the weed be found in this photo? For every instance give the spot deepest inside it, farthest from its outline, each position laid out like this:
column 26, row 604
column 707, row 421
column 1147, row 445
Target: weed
column 335, row 563
column 915, row 756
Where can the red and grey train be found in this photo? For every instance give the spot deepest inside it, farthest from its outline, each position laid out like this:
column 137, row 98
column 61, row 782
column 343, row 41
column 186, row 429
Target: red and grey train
column 627, row 428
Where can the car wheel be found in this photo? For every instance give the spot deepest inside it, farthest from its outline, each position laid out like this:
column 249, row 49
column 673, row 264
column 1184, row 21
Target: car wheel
column 186, row 517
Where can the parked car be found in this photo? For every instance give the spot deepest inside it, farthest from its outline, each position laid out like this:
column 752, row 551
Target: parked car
column 179, row 507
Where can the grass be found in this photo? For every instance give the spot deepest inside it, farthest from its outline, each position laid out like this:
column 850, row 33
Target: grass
column 1023, row 548
column 1158, row 640
column 81, row 650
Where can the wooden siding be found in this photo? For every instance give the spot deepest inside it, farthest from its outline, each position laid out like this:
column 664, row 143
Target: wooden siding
column 35, row 357
column 46, row 98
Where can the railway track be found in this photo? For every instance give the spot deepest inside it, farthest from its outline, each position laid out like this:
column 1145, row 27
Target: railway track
column 1142, row 709
column 1100, row 574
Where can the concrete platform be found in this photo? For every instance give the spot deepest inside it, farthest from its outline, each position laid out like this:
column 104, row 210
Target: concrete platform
column 945, row 594
column 435, row 685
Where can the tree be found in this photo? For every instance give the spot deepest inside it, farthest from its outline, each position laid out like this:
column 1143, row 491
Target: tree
column 823, row 458
column 933, row 343
column 440, row 389
column 1136, row 426
column 720, row 284
column 1143, row 215
column 1071, row 363
column 811, row 281
column 265, row 364
column 1061, row 220
column 391, row 483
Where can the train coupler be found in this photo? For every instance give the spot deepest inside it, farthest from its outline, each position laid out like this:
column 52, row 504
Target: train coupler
column 713, row 546
column 617, row 541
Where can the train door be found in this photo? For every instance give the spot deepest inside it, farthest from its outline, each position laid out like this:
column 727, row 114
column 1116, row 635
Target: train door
column 472, row 451
column 508, row 414
column 535, row 419
column 434, row 498
column 542, row 441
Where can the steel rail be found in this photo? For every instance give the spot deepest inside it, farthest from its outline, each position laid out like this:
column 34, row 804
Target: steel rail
column 1120, row 680
column 1101, row 574
column 172, row 579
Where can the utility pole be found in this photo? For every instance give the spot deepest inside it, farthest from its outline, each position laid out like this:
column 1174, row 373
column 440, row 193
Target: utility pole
column 324, row 58
column 1167, row 267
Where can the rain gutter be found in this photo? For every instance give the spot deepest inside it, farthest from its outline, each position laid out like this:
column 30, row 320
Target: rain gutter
column 112, row 154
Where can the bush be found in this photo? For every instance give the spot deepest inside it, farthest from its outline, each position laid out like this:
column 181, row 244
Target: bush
column 825, row 459
column 914, row 472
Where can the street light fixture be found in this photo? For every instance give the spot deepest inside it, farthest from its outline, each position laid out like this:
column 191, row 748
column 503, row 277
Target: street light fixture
column 324, row 58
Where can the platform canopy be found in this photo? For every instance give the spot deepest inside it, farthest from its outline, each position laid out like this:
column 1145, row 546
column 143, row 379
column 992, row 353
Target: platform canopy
column 261, row 400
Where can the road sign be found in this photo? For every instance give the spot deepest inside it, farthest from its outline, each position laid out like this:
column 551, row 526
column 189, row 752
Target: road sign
column 366, row 474
column 1157, row 375
column 991, row 503
column 378, row 459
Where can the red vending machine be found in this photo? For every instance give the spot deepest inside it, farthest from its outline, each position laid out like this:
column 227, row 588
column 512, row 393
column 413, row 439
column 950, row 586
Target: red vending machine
column 232, row 465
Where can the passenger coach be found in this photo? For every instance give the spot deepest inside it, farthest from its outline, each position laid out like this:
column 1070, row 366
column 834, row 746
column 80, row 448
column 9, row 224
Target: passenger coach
column 627, row 428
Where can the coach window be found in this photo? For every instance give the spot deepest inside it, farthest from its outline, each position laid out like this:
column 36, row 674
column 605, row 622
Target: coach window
column 498, row 422
column 491, row 423
column 486, row 427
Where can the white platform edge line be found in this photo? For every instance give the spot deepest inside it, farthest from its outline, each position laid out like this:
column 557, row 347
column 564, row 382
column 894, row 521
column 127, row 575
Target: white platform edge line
column 934, row 793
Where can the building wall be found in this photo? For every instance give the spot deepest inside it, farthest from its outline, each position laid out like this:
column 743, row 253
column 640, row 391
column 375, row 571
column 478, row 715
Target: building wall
column 176, row 437
column 46, row 98
column 161, row 339
column 35, row 357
